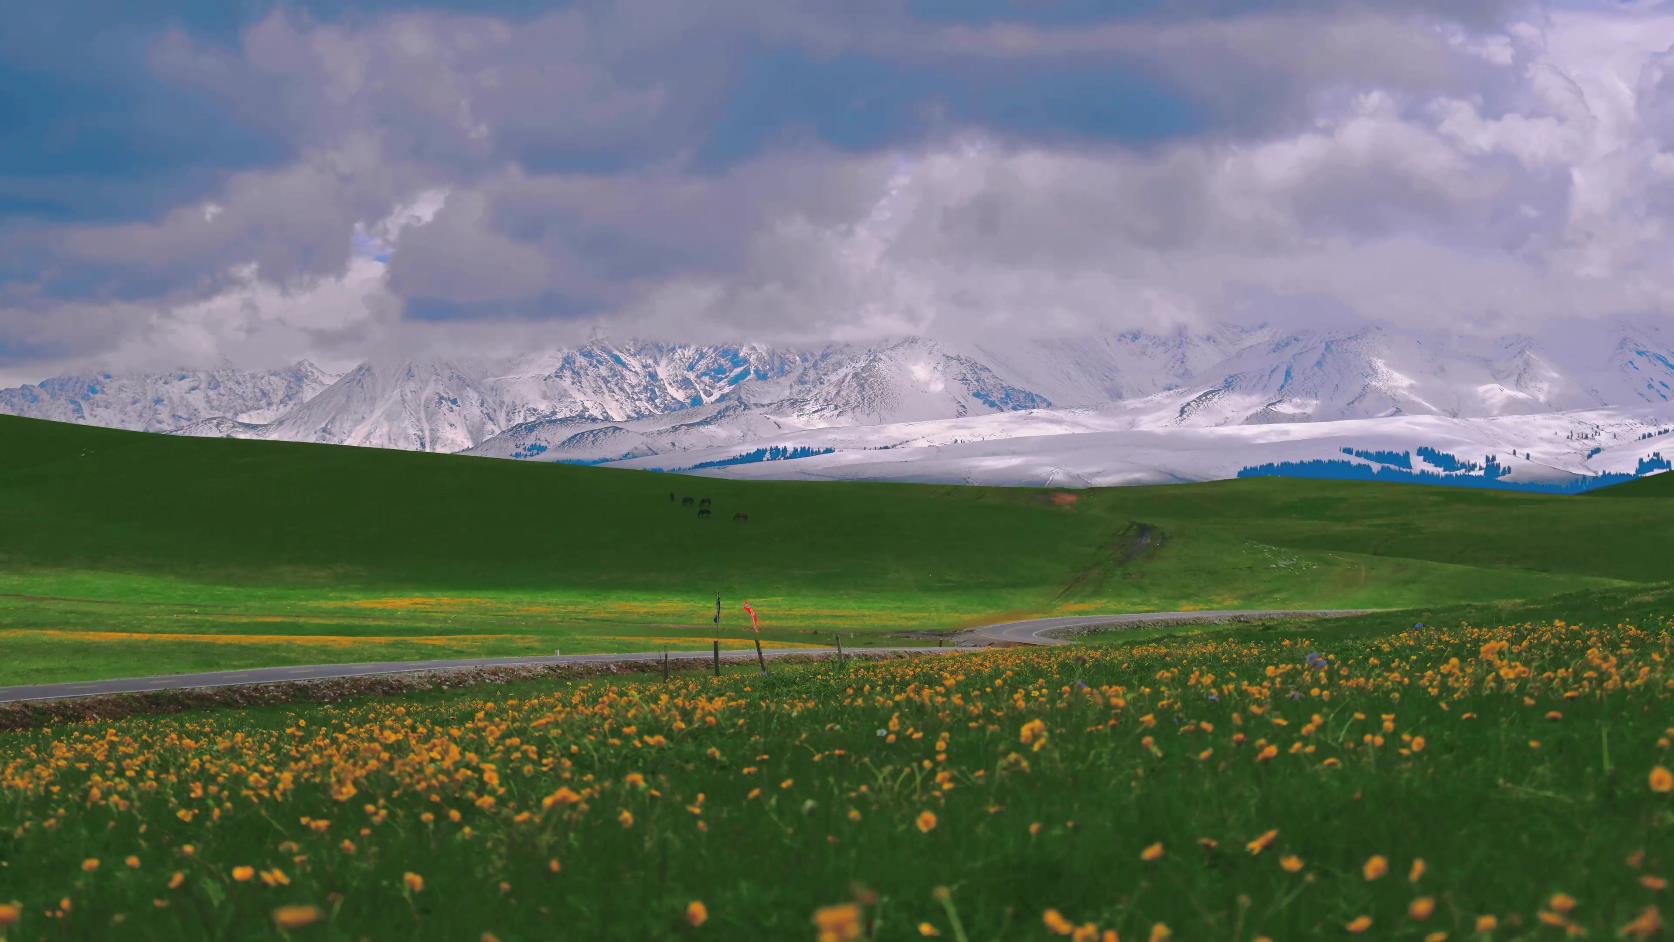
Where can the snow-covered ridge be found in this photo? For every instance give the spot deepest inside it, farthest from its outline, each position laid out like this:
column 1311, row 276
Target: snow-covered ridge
column 1122, row 408
column 165, row 402
column 1118, row 446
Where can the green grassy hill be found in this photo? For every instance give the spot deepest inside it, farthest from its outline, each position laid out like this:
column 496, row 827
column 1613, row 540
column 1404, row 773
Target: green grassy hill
column 1657, row 485
column 124, row 553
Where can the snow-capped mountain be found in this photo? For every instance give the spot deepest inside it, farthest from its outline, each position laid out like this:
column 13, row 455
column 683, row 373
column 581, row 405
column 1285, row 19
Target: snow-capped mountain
column 1375, row 372
column 1641, row 366
column 164, row 402
column 1081, row 448
column 415, row 406
column 902, row 381
column 726, row 408
column 603, row 380
column 1088, row 371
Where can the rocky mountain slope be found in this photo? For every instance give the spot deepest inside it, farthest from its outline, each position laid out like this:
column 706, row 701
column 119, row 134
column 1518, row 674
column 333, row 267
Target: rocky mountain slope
column 649, row 402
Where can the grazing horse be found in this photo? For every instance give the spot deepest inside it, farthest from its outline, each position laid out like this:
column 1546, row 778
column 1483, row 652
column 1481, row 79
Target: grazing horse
column 704, row 502
column 703, row 511
column 685, row 502
column 741, row 517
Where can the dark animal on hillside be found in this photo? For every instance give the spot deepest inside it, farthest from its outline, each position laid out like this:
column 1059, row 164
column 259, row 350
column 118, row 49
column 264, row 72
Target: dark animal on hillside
column 685, row 502
column 671, row 497
column 704, row 502
column 703, row 511
column 741, row 517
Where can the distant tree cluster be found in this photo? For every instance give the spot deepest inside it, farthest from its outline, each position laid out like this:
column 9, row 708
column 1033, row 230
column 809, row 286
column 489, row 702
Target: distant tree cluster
column 1653, row 463
column 773, row 453
column 1449, row 463
column 1395, row 459
column 1396, row 467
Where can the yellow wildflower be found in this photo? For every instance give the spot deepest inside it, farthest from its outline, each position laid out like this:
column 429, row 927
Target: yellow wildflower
column 838, row 923
column 1263, row 842
column 1662, row 780
column 296, row 917
column 563, row 796
column 1647, row 925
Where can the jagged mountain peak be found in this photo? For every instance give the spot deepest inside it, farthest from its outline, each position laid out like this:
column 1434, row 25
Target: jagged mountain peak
column 167, row 400
column 662, row 396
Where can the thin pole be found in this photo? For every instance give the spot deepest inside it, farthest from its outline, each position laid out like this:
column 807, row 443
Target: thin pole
column 665, row 664
column 839, row 650
column 717, row 659
column 759, row 658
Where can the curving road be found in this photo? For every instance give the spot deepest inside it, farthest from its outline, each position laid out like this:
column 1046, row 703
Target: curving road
column 281, row 675
column 1052, row 630
column 1039, row 631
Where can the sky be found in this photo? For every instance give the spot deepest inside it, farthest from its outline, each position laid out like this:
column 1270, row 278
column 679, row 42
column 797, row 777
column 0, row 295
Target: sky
column 248, row 182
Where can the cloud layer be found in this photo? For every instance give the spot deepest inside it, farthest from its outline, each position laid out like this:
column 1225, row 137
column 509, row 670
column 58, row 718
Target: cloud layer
column 262, row 182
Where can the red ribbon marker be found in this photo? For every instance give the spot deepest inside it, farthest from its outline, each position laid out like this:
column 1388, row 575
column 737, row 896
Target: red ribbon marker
column 755, row 625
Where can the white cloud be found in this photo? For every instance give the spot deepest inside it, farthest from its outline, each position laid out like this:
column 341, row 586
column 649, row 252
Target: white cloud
column 1493, row 172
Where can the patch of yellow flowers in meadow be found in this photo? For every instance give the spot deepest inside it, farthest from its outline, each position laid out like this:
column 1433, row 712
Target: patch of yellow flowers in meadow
column 1226, row 788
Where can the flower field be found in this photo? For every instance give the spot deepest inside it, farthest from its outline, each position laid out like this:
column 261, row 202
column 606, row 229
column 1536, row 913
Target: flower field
column 1466, row 783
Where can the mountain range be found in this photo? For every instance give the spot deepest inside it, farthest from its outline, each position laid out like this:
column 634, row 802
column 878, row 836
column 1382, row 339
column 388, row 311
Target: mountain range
column 948, row 411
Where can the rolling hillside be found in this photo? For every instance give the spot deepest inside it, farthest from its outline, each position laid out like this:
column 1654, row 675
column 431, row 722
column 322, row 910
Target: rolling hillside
column 125, row 553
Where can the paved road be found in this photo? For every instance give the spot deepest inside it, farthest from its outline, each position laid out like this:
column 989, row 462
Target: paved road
column 1054, row 630
column 279, row 675
column 1037, row 631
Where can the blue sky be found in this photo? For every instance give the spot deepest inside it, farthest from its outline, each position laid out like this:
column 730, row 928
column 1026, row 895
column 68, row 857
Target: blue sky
column 259, row 181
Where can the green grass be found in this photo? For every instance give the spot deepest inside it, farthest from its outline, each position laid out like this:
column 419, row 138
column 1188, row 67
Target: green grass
column 1517, row 763
column 125, row 554
column 1614, row 606
column 1657, row 485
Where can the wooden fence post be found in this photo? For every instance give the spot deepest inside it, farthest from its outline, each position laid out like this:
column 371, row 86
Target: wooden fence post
column 717, row 659
column 759, row 658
